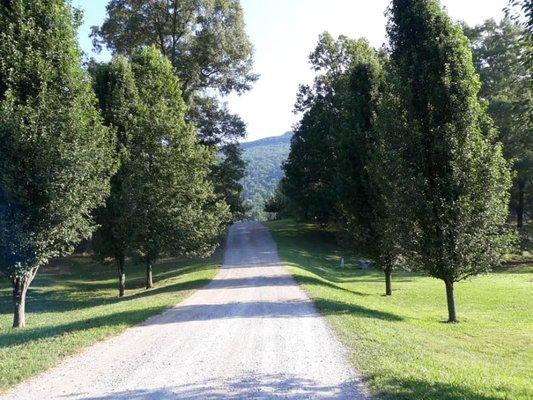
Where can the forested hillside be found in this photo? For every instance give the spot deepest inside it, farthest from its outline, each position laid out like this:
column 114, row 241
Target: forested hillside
column 264, row 158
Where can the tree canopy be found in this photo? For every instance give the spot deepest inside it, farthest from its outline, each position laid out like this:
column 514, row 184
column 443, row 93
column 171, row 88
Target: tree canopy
column 204, row 40
column 176, row 210
column 56, row 156
column 227, row 175
column 459, row 182
column 505, row 85
column 396, row 149
column 206, row 43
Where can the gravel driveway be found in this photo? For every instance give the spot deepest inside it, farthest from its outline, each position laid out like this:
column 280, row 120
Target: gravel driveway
column 252, row 333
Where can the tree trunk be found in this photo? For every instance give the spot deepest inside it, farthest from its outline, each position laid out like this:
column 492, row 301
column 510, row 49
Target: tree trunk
column 388, row 281
column 520, row 205
column 20, row 288
column 452, row 317
column 121, row 276
column 149, row 277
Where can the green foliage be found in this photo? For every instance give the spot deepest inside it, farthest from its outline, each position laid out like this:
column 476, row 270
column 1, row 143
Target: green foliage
column 334, row 172
column 205, row 40
column 207, row 45
column 505, row 84
column 277, row 203
column 216, row 125
column 227, row 175
column 410, row 165
column 312, row 166
column 521, row 11
column 119, row 103
column 175, row 209
column 359, row 194
column 458, row 180
column 56, row 156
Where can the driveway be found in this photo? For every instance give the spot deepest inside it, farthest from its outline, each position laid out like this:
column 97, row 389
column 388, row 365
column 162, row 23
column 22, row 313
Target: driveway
column 252, row 333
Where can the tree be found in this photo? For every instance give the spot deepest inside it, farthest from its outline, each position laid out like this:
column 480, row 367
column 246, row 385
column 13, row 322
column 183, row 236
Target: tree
column 457, row 183
column 522, row 12
column 505, row 84
column 205, row 41
column 337, row 164
column 56, row 157
column 207, row 45
column 311, row 168
column 175, row 210
column 366, row 209
column 216, row 125
column 227, row 175
column 118, row 99
column 277, row 204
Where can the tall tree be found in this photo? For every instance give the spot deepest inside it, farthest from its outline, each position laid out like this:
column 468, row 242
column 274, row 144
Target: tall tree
column 56, row 157
column 505, row 84
column 369, row 218
column 521, row 11
column 458, row 180
column 227, row 175
column 119, row 103
column 334, row 172
column 175, row 208
column 311, row 167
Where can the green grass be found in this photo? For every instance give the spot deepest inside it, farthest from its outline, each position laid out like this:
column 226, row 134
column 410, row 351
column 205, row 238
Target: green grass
column 400, row 344
column 74, row 304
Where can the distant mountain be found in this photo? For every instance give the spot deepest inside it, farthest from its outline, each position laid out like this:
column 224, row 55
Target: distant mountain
column 264, row 158
column 284, row 140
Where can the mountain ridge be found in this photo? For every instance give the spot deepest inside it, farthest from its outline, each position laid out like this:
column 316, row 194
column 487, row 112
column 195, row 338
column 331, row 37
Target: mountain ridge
column 270, row 140
column 264, row 159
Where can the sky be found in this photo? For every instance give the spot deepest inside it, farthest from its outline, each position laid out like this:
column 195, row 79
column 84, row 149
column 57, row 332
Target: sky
column 283, row 33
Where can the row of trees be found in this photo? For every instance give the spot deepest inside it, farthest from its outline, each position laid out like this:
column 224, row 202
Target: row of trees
column 397, row 149
column 161, row 200
column 206, row 43
column 123, row 152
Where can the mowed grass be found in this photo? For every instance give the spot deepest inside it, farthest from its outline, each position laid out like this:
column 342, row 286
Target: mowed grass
column 74, row 303
column 400, row 344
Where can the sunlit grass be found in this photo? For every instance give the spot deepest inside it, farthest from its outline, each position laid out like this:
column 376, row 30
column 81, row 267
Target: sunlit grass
column 74, row 304
column 400, row 344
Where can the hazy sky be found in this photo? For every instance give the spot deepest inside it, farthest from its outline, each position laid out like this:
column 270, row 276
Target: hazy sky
column 284, row 32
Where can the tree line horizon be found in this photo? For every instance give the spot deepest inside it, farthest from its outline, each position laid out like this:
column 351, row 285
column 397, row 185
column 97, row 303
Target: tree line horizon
column 410, row 151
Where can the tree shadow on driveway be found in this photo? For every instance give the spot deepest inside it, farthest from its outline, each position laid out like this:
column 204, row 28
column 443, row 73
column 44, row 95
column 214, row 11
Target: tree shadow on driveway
column 253, row 386
column 266, row 309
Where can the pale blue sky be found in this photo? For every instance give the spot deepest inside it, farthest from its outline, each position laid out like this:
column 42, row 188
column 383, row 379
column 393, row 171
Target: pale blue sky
column 283, row 33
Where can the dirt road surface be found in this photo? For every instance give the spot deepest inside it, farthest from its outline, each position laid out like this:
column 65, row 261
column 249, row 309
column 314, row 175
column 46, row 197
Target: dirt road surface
column 252, row 333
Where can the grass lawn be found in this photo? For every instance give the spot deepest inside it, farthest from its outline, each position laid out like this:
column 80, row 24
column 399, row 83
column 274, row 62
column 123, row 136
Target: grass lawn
column 400, row 344
column 74, row 303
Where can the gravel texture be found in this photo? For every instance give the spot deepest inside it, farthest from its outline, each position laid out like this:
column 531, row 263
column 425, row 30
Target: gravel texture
column 252, row 333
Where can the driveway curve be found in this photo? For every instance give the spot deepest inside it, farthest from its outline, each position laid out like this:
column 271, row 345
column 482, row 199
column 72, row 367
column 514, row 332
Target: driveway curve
column 252, row 333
